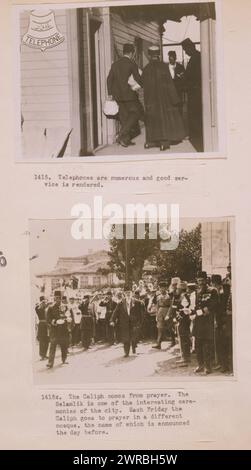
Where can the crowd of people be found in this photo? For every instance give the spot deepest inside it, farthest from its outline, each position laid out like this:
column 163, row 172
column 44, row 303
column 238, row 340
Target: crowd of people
column 164, row 85
column 195, row 317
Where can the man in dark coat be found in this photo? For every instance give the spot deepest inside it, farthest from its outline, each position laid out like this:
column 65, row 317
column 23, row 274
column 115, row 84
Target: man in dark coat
column 58, row 328
column 163, row 119
column 110, row 306
column 42, row 332
column 194, row 91
column 129, row 315
column 219, row 322
column 206, row 300
column 87, row 323
column 130, row 108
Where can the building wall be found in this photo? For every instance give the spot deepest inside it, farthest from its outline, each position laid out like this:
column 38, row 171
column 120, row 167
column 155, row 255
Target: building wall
column 45, row 92
column 123, row 32
column 216, row 247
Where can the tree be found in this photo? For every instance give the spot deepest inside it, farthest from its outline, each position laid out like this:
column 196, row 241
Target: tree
column 185, row 260
column 127, row 257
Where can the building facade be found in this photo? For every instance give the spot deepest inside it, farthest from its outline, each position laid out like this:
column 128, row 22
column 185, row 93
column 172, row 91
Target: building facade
column 81, row 274
column 216, row 247
column 63, row 88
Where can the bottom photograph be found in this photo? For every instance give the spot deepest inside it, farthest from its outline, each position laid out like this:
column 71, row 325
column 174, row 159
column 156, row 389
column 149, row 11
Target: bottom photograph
column 124, row 309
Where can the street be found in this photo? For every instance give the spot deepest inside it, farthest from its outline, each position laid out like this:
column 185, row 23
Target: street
column 106, row 364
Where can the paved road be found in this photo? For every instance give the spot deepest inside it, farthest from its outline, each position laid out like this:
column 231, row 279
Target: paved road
column 106, row 364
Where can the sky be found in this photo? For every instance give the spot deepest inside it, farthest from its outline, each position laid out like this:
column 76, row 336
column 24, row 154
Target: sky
column 51, row 239
column 175, row 32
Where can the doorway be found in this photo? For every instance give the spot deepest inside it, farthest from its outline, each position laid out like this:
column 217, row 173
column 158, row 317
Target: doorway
column 97, row 81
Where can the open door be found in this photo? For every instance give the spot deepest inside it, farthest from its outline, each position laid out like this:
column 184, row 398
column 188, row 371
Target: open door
column 97, row 82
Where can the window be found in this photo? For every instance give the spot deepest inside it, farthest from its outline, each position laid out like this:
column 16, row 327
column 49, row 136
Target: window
column 83, row 282
column 55, row 283
column 97, row 281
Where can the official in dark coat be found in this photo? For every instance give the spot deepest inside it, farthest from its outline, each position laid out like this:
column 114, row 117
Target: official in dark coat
column 58, row 328
column 130, row 108
column 42, row 332
column 129, row 316
column 194, row 91
column 163, row 120
column 87, row 324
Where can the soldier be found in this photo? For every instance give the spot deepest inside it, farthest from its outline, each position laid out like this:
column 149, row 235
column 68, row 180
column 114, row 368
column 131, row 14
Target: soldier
column 174, row 294
column 219, row 322
column 163, row 305
column 110, row 306
column 227, row 327
column 42, row 333
column 76, row 315
column 58, row 328
column 183, row 319
column 206, row 300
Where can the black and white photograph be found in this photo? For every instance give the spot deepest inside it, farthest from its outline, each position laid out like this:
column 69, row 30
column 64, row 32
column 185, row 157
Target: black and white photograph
column 116, row 81
column 126, row 310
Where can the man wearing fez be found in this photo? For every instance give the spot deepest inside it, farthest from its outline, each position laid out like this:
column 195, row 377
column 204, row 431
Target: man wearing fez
column 129, row 316
column 87, row 324
column 193, row 85
column 110, row 306
column 58, row 328
column 205, row 306
column 42, row 332
column 163, row 120
column 130, row 108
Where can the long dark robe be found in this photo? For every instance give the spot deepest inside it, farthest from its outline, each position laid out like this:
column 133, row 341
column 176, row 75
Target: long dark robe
column 162, row 115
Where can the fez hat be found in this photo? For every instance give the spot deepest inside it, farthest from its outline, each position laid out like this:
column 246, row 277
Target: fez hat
column 201, row 275
column 57, row 293
column 154, row 50
column 172, row 53
column 42, row 298
column 187, row 43
column 216, row 278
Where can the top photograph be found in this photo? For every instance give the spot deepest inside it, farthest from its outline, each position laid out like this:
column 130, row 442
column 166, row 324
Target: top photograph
column 116, row 82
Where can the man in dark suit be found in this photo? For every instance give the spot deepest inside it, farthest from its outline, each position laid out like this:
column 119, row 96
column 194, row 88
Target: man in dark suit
column 129, row 316
column 130, row 108
column 194, row 93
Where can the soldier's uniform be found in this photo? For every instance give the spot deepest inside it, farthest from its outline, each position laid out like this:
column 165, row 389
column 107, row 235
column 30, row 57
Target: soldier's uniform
column 42, row 332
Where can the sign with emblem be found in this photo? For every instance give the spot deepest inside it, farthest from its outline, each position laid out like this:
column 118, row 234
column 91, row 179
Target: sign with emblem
column 42, row 31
